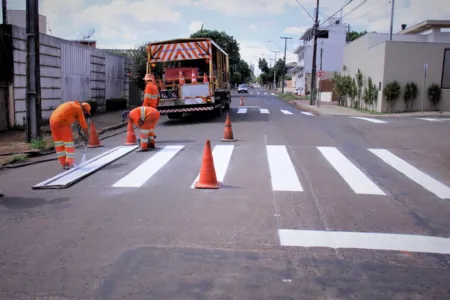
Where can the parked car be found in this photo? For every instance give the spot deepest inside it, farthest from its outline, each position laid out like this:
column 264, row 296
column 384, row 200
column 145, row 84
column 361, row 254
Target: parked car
column 242, row 88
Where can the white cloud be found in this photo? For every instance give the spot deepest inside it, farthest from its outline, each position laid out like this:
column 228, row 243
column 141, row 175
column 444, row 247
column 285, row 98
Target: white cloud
column 296, row 30
column 252, row 27
column 195, row 26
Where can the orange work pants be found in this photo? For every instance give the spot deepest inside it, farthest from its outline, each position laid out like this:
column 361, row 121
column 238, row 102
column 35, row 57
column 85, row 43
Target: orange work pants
column 64, row 144
column 147, row 131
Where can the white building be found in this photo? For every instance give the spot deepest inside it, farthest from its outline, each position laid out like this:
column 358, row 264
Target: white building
column 19, row 18
column 330, row 53
column 403, row 59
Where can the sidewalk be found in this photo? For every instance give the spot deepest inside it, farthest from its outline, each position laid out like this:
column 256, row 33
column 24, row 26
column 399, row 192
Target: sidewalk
column 332, row 109
column 13, row 147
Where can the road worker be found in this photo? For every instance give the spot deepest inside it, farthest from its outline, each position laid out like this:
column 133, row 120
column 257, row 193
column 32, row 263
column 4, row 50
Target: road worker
column 151, row 93
column 61, row 122
column 146, row 118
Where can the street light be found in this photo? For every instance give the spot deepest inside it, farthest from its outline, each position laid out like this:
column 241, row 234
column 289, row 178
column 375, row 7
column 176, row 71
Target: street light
column 274, row 70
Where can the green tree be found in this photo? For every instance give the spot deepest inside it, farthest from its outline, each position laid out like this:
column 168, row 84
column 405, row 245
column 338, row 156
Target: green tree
column 139, row 65
column 391, row 91
column 410, row 94
column 263, row 65
column 353, row 35
column 225, row 41
column 244, row 69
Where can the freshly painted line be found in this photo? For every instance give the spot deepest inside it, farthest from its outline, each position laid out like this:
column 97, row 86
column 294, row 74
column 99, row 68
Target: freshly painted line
column 364, row 240
column 242, row 111
column 141, row 174
column 426, row 181
column 273, row 94
column 370, row 120
column 307, row 113
column 282, row 172
column 251, row 92
column 286, row 112
column 264, row 111
column 258, row 93
column 265, row 93
column 433, row 120
column 357, row 180
column 221, row 157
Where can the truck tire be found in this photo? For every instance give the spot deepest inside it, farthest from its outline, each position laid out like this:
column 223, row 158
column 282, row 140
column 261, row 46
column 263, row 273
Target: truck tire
column 227, row 102
column 218, row 111
column 173, row 116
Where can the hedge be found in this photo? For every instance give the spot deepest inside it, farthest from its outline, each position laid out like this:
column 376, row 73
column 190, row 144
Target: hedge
column 116, row 104
column 93, row 105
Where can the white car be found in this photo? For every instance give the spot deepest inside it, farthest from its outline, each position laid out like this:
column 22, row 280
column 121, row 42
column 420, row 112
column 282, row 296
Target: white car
column 242, row 88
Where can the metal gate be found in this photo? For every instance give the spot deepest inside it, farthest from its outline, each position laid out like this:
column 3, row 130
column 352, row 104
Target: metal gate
column 135, row 94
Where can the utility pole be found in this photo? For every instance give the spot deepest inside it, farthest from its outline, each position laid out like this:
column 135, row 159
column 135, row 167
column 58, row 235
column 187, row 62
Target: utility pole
column 321, row 54
column 33, row 95
column 314, row 58
column 4, row 11
column 284, row 67
column 392, row 19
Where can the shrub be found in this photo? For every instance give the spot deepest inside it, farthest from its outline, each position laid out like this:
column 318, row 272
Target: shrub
column 434, row 95
column 410, row 94
column 93, row 105
column 391, row 91
column 116, row 104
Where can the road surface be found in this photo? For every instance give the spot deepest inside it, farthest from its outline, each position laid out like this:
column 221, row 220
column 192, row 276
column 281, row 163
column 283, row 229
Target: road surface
column 310, row 207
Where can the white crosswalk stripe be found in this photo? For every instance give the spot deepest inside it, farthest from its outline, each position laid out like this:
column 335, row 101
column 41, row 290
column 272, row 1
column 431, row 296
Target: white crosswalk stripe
column 286, row 112
column 221, row 156
column 242, row 111
column 307, row 113
column 284, row 169
column 263, row 110
column 434, row 119
column 370, row 120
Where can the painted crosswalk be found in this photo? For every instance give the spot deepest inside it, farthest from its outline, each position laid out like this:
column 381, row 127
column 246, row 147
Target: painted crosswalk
column 256, row 109
column 283, row 169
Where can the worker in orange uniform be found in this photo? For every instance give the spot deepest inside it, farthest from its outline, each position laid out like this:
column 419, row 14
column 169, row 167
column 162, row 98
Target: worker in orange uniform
column 151, row 93
column 61, row 121
column 146, row 118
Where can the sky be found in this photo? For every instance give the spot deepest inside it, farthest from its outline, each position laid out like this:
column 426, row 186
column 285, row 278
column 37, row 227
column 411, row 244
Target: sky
column 123, row 24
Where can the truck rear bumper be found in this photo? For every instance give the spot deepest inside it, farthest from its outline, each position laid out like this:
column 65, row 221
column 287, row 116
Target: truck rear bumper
column 184, row 108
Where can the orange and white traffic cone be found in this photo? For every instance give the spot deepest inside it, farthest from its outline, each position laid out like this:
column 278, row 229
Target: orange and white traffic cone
column 193, row 77
column 131, row 137
column 181, row 78
column 228, row 132
column 205, row 78
column 242, row 101
column 208, row 178
column 94, row 141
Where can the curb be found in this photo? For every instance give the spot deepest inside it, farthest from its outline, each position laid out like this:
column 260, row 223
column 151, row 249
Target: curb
column 100, row 132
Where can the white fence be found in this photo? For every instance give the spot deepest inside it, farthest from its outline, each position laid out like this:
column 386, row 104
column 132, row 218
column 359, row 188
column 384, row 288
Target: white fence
column 69, row 71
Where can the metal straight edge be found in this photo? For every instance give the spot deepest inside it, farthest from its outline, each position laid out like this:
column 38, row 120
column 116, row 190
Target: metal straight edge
column 43, row 184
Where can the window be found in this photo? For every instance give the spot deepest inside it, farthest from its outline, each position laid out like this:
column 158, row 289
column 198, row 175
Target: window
column 445, row 84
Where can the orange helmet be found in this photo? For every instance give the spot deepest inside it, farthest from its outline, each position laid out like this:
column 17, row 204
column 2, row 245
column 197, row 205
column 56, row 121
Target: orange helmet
column 148, row 77
column 87, row 107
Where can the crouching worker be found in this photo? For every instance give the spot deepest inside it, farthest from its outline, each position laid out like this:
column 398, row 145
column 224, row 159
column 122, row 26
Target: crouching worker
column 145, row 118
column 61, row 121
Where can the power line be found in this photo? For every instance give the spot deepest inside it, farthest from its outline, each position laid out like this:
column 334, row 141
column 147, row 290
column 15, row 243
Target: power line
column 359, row 5
column 350, row 1
column 284, row 67
column 371, row 11
column 305, row 10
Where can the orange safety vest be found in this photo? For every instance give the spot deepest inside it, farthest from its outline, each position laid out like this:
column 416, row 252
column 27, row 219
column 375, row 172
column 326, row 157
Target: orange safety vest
column 69, row 112
column 144, row 113
column 151, row 95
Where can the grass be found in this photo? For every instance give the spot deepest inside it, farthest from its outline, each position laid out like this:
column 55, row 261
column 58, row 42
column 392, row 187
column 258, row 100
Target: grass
column 42, row 143
column 11, row 159
column 288, row 97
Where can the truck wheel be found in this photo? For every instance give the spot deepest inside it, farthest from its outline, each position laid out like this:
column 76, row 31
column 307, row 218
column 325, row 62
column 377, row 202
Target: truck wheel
column 173, row 116
column 219, row 111
column 228, row 101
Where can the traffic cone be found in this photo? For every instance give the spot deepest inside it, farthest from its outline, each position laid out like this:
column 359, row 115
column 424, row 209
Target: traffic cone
column 181, row 78
column 131, row 137
column 205, row 78
column 242, row 101
column 193, row 77
column 208, row 178
column 94, row 141
column 228, row 132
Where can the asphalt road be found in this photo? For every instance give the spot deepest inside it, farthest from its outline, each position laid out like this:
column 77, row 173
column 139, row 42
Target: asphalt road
column 310, row 207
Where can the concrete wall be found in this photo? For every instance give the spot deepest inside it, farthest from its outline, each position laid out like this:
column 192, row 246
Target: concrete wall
column 410, row 67
column 19, row 18
column 369, row 59
column 69, row 71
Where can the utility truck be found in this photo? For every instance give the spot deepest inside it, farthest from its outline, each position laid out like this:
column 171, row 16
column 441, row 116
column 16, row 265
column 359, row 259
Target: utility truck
column 195, row 77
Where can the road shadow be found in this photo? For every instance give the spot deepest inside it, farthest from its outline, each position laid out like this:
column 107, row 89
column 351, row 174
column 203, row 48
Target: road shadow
column 29, row 202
